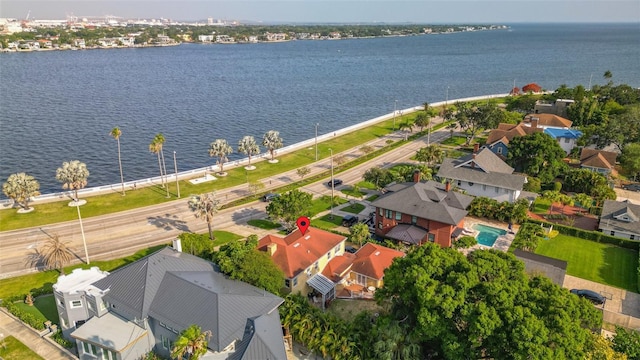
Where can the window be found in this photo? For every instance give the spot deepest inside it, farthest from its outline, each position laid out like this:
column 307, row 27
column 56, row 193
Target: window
column 61, row 302
column 398, row 215
column 484, row 187
column 295, row 281
column 414, row 219
column 380, row 225
column 337, row 248
column 287, row 283
column 566, row 140
column 380, row 212
column 316, row 266
column 497, row 189
column 431, row 237
column 632, row 237
column 388, row 214
column 470, row 183
column 90, row 305
column 109, row 355
column 89, row 348
column 165, row 342
column 613, row 233
column 499, row 150
column 459, row 182
column 76, row 304
column 329, row 255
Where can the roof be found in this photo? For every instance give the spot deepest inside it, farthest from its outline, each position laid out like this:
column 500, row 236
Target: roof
column 563, row 133
column 110, row 331
column 484, row 168
column 407, row 233
column 597, row 158
column 506, row 132
column 428, row 200
column 372, row 260
column 79, row 280
column 296, row 252
column 321, row 283
column 134, row 286
column 622, row 216
column 560, row 264
column 338, row 267
column 260, row 333
column 548, row 120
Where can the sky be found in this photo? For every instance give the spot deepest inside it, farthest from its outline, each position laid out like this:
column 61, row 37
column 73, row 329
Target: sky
column 337, row 11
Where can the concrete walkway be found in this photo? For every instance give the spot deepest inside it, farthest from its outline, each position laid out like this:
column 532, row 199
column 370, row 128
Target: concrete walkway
column 10, row 326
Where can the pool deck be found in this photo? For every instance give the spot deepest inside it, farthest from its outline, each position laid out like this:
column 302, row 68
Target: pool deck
column 502, row 243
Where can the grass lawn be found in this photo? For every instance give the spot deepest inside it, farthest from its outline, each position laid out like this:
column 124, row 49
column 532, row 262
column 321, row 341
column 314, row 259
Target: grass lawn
column 366, row 185
column 325, row 222
column 349, row 192
column 264, row 224
column 12, row 349
column 541, row 206
column 44, row 308
column 347, row 309
column 222, row 237
column 454, row 141
column 323, row 203
column 372, row 197
column 602, row 263
column 353, row 208
column 21, row 285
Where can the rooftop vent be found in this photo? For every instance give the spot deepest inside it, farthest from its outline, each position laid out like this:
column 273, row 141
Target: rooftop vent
column 307, row 237
column 377, row 253
column 296, row 245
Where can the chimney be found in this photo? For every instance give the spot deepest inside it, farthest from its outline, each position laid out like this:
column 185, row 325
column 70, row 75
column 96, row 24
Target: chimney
column 534, row 122
column 447, row 186
column 271, row 249
column 476, row 147
column 416, row 176
column 177, row 245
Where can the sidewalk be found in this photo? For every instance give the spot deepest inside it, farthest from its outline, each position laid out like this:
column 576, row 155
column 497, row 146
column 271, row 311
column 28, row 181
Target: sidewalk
column 11, row 326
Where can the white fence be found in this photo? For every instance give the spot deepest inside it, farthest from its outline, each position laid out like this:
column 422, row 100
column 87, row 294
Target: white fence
column 201, row 171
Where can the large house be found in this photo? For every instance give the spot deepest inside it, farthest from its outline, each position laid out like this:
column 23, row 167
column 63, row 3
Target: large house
column 566, row 138
column 483, row 174
column 303, row 256
column 499, row 138
column 145, row 305
column 546, row 121
column 419, row 212
column 599, row 161
column 621, row 219
column 557, row 107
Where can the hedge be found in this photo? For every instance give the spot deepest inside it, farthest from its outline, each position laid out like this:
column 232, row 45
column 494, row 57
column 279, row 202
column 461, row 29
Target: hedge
column 591, row 235
column 26, row 317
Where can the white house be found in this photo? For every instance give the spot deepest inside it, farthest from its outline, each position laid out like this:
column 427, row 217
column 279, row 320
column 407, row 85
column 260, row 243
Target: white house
column 621, row 219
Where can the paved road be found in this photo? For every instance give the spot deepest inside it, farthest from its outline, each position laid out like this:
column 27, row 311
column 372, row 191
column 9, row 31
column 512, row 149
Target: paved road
column 114, row 235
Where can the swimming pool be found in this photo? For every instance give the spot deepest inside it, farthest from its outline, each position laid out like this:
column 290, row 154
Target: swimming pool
column 487, row 235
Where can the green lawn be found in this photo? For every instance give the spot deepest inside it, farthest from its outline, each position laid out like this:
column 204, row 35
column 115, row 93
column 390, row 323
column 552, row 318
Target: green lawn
column 373, row 197
column 264, row 224
column 44, row 308
column 454, row 141
column 12, row 349
column 326, row 222
column 222, row 237
column 353, row 208
column 602, row 263
column 541, row 206
column 347, row 309
column 366, row 185
column 321, row 204
column 349, row 192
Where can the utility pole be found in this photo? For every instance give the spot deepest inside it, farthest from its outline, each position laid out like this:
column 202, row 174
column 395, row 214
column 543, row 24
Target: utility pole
column 175, row 165
column 332, row 184
column 395, row 106
column 84, row 240
column 317, row 141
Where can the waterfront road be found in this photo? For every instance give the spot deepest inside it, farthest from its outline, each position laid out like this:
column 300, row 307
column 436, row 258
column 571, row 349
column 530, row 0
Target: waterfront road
column 119, row 234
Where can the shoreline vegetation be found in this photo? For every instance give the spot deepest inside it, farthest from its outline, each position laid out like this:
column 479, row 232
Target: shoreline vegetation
column 70, row 38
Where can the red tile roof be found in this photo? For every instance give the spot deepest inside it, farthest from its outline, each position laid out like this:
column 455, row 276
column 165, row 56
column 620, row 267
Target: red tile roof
column 339, row 267
column 598, row 158
column 371, row 260
column 295, row 252
column 506, row 132
column 549, row 120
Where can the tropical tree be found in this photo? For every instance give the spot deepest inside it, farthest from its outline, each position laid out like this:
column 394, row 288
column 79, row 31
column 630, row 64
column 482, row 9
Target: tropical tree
column 406, row 127
column 538, row 155
column 191, row 344
column 528, row 237
column 303, row 171
column 378, row 176
column 205, row 206
column 116, row 133
column 627, row 342
column 451, row 127
column 248, row 146
column 55, row 254
column 552, row 196
column 630, row 159
column 608, row 75
column 272, row 141
column 359, row 233
column 430, row 154
column 21, row 188
column 422, row 120
column 220, row 149
column 73, row 176
column 585, row 201
column 288, row 207
column 155, row 147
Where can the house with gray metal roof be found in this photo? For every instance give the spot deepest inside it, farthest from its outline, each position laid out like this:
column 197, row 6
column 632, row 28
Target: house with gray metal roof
column 621, row 219
column 484, row 174
column 146, row 305
column 419, row 212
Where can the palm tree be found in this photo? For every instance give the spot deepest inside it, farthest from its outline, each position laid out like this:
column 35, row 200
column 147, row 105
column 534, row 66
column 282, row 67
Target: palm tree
column 552, row 196
column 406, row 127
column 359, row 233
column 116, row 133
column 422, row 120
column 73, row 176
column 21, row 188
column 247, row 145
column 154, row 148
column 272, row 141
column 221, row 149
column 430, row 154
column 584, row 200
column 55, row 254
column 192, row 343
column 205, row 206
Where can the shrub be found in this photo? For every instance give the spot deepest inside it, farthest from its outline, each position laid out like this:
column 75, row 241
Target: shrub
column 27, row 318
column 57, row 337
column 465, row 242
column 533, row 184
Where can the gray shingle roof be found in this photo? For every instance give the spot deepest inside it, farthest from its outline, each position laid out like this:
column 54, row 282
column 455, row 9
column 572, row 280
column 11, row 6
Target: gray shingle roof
column 612, row 211
column 260, row 334
column 486, row 168
column 110, row 331
column 407, row 233
column 418, row 199
column 134, row 286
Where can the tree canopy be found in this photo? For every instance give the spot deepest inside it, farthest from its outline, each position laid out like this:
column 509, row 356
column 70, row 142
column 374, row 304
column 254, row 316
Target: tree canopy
column 484, row 306
column 288, row 207
column 538, row 155
column 221, row 149
column 272, row 141
column 21, row 188
column 73, row 176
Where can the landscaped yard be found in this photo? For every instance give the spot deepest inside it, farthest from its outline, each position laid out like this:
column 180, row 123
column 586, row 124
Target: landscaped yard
column 44, row 308
column 323, row 203
column 12, row 349
column 602, row 263
column 347, row 309
column 327, row 222
column 222, row 237
column 264, row 224
column 353, row 208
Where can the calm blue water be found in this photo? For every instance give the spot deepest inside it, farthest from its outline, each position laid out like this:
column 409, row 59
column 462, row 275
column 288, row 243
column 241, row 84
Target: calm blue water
column 488, row 234
column 60, row 106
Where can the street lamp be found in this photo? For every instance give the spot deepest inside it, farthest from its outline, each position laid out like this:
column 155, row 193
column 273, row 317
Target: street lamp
column 175, row 165
column 446, row 99
column 395, row 106
column 317, row 141
column 84, row 240
column 332, row 184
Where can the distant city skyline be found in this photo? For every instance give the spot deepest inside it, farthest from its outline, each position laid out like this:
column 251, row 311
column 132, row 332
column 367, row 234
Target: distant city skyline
column 324, row 11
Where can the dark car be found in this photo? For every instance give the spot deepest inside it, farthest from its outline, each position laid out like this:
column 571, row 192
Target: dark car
column 590, row 295
column 269, row 196
column 336, row 182
column 632, row 187
column 350, row 249
column 349, row 220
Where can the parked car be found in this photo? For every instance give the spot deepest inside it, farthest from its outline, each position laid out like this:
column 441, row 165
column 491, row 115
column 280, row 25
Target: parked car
column 350, row 249
column 632, row 187
column 336, row 182
column 269, row 196
column 590, row 295
column 349, row 220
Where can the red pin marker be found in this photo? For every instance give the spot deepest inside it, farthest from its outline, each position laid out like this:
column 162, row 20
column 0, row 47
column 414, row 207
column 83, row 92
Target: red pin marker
column 303, row 224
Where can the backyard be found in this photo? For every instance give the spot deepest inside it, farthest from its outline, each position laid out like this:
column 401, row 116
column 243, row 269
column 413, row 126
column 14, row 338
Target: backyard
column 602, row 263
column 348, row 309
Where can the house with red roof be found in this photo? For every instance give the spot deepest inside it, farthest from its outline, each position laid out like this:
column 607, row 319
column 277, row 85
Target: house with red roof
column 602, row 162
